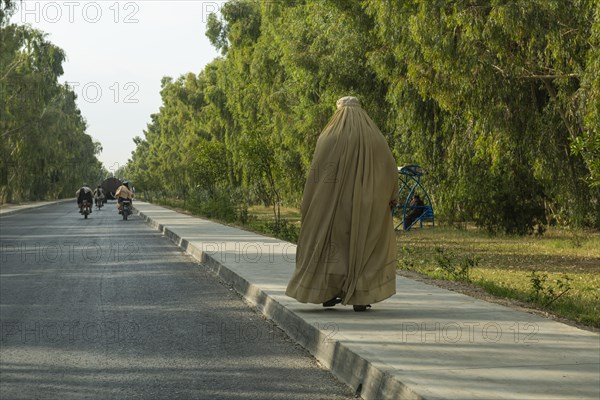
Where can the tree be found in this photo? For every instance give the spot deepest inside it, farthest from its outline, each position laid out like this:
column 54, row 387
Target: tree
column 44, row 150
column 498, row 100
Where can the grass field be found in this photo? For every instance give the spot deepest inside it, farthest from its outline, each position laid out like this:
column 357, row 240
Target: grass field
column 266, row 213
column 558, row 272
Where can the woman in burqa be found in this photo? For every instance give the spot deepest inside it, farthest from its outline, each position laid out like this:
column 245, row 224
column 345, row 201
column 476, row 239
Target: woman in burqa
column 347, row 249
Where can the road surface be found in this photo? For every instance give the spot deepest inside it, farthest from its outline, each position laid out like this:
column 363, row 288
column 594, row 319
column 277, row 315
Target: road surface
column 104, row 308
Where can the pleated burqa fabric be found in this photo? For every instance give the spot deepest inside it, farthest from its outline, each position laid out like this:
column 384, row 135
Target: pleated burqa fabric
column 347, row 245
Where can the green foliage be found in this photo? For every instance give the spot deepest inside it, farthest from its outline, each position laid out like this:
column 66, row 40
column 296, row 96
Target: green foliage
column 505, row 264
column 588, row 143
column 44, row 150
column 459, row 269
column 285, row 230
column 220, row 205
column 545, row 292
column 488, row 93
column 406, row 258
column 215, row 31
column 499, row 101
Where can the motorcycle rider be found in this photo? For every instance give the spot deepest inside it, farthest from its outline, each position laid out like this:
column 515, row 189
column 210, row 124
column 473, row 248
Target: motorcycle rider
column 99, row 195
column 84, row 193
column 123, row 193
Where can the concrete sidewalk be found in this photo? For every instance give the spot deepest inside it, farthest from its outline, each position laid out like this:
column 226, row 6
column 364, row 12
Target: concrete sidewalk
column 423, row 343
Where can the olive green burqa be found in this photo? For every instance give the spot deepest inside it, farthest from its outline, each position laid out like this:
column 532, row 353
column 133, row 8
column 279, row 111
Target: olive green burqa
column 347, row 245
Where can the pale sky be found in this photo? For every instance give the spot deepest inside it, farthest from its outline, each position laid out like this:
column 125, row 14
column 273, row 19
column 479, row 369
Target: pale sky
column 117, row 53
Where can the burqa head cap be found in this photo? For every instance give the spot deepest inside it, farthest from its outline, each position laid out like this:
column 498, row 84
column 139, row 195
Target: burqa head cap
column 348, row 101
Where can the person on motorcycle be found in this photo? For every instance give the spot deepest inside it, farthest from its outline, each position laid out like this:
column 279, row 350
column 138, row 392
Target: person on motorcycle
column 84, row 193
column 99, row 195
column 123, row 193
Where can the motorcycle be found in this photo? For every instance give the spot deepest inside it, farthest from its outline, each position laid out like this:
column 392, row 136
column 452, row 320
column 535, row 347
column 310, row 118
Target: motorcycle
column 126, row 209
column 86, row 208
column 99, row 202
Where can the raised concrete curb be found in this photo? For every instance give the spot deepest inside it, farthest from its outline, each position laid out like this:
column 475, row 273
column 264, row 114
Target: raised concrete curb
column 368, row 379
column 15, row 209
column 406, row 347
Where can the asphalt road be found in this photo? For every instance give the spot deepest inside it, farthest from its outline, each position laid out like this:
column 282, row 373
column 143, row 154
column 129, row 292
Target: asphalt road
column 104, row 308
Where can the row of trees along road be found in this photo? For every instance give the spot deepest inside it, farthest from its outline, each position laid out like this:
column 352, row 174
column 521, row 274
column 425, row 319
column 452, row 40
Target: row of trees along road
column 498, row 100
column 44, row 150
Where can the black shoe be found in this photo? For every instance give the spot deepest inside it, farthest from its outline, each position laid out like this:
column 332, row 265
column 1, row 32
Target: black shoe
column 361, row 308
column 332, row 302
